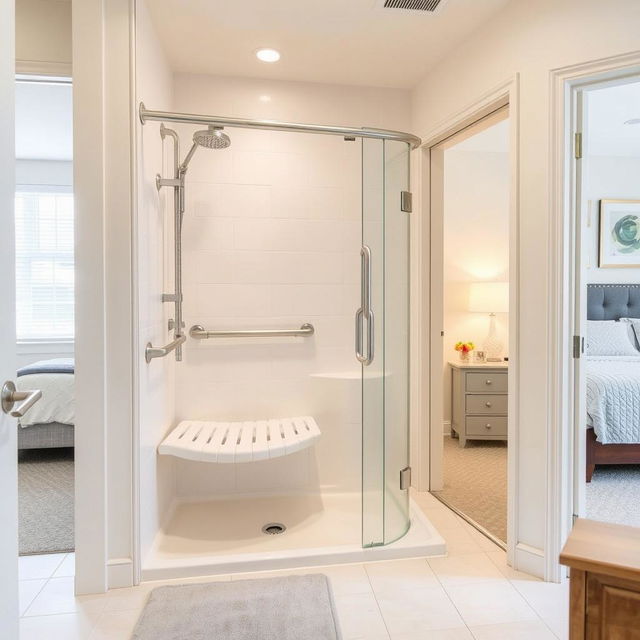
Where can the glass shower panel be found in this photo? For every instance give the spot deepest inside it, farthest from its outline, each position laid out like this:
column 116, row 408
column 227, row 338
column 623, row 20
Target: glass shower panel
column 382, row 336
column 370, row 328
column 396, row 339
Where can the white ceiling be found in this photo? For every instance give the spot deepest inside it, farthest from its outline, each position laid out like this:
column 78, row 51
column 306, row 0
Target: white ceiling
column 607, row 111
column 333, row 41
column 44, row 121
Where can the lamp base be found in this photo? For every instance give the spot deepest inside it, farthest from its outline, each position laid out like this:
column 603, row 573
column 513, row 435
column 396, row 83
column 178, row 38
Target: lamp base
column 492, row 345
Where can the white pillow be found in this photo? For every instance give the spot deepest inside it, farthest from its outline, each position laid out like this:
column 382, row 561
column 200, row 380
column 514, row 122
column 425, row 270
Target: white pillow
column 609, row 338
column 634, row 324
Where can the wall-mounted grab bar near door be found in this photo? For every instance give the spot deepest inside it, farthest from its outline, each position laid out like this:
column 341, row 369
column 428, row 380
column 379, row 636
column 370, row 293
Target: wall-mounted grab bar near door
column 152, row 352
column 200, row 333
column 364, row 313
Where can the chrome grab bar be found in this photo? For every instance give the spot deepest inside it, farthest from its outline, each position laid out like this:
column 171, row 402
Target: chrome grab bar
column 9, row 396
column 365, row 312
column 152, row 352
column 200, row 333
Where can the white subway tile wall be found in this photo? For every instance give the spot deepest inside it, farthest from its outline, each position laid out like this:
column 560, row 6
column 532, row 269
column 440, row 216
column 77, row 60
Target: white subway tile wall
column 271, row 238
column 156, row 381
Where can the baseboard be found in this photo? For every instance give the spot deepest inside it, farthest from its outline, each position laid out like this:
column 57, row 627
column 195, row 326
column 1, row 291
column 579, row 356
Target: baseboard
column 529, row 560
column 119, row 573
column 446, row 427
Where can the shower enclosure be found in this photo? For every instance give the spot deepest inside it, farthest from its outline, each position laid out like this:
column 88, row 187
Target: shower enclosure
column 225, row 444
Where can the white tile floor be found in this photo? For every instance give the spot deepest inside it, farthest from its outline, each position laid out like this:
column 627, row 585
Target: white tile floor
column 471, row 593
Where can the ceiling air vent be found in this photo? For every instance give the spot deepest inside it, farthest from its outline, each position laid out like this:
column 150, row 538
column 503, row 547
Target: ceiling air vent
column 429, row 6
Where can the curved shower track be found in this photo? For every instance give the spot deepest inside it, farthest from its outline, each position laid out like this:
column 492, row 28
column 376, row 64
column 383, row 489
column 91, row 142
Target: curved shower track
column 214, row 138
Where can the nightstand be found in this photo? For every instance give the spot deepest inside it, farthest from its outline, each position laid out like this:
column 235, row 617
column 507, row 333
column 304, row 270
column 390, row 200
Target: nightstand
column 479, row 399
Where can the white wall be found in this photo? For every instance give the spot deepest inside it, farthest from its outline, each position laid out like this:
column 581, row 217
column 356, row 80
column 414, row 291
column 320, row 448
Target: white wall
column 529, row 39
column 272, row 239
column 153, row 239
column 476, row 246
column 611, row 167
column 43, row 35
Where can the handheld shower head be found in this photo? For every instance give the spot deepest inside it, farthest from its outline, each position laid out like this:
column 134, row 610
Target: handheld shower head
column 211, row 138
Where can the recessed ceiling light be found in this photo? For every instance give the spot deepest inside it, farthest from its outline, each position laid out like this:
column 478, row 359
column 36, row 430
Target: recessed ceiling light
column 633, row 121
column 268, row 55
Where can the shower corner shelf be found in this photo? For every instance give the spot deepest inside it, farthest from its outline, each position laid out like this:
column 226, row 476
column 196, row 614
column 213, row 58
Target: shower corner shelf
column 233, row 442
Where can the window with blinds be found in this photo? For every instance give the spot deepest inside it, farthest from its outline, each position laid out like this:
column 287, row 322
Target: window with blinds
column 44, row 264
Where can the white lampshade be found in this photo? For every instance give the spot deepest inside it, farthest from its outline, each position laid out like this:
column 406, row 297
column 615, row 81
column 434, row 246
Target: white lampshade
column 489, row 297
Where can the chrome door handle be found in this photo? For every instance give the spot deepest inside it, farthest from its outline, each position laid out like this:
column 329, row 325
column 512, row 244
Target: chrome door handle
column 364, row 313
column 10, row 396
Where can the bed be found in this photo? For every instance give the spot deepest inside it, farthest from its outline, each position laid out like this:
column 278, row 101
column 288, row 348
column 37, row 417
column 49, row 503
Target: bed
column 613, row 383
column 50, row 422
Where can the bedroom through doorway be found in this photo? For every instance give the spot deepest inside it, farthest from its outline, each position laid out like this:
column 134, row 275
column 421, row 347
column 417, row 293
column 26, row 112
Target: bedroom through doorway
column 471, row 174
column 44, row 259
column 607, row 305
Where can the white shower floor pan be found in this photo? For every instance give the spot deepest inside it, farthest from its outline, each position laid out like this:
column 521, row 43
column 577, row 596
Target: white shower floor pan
column 225, row 536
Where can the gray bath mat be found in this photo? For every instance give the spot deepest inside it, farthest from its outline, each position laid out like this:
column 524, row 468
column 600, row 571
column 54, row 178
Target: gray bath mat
column 290, row 608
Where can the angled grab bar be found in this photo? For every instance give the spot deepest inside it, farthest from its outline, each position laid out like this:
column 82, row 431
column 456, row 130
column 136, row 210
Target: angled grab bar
column 200, row 333
column 152, row 352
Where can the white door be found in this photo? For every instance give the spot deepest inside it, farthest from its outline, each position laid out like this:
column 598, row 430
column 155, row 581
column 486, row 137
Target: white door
column 8, row 436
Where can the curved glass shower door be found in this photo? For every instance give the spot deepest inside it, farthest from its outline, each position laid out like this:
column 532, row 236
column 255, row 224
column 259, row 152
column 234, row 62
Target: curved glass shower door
column 382, row 337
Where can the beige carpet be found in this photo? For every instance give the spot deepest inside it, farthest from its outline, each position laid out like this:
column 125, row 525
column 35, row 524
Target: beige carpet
column 45, row 500
column 613, row 495
column 475, row 482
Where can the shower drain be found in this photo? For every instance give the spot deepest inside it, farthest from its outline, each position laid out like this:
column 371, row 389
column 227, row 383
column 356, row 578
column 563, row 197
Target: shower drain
column 273, row 528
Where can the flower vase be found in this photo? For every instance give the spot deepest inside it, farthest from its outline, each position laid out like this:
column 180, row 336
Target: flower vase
column 465, row 356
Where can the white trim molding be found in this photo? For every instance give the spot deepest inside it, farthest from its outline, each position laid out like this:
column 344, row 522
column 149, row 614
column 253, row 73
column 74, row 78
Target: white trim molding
column 43, row 68
column 429, row 468
column 120, row 573
column 562, row 216
column 102, row 49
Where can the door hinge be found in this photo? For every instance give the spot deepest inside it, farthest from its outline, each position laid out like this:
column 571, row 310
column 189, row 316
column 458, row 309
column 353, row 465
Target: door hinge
column 406, row 201
column 578, row 145
column 578, row 346
column 574, row 517
column 405, row 478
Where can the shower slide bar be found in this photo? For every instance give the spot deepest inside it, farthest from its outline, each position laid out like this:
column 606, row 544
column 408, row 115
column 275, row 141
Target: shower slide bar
column 200, row 333
column 152, row 352
column 273, row 125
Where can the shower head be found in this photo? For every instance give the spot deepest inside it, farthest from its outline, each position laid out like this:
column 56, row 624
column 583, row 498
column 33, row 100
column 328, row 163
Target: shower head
column 211, row 138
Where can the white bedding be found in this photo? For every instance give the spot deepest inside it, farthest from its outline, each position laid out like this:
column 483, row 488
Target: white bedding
column 57, row 403
column 613, row 398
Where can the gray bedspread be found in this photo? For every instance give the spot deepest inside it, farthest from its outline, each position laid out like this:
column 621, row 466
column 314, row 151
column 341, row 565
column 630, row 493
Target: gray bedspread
column 57, row 365
column 613, row 398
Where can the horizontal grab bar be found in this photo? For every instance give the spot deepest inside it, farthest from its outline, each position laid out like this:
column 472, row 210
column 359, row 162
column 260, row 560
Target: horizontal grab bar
column 152, row 352
column 200, row 333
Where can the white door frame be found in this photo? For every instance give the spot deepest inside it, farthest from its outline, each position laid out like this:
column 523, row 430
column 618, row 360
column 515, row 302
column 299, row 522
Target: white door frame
column 103, row 50
column 426, row 426
column 562, row 221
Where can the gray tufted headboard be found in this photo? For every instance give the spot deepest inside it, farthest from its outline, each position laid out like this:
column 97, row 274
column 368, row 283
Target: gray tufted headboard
column 613, row 301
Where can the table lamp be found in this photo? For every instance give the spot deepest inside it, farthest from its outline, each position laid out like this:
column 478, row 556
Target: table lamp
column 491, row 298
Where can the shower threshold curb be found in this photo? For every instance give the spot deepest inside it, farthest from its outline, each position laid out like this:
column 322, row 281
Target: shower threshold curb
column 421, row 540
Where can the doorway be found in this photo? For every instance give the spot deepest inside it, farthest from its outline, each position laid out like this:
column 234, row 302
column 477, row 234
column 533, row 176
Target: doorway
column 606, row 294
column 44, row 317
column 470, row 205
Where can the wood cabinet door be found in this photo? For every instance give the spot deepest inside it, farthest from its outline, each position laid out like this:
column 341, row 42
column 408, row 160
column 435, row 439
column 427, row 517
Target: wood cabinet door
column 613, row 608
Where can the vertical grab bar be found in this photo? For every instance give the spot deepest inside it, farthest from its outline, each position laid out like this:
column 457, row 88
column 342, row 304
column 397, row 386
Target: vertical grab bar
column 365, row 313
